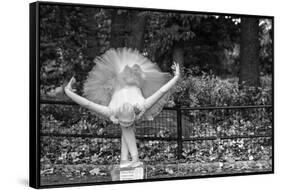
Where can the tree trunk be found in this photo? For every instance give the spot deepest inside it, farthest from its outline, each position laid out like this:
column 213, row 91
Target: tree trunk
column 136, row 27
column 118, row 29
column 249, row 52
column 92, row 47
column 127, row 29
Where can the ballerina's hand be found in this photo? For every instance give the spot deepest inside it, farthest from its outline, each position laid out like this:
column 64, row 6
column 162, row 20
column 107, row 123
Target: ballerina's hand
column 176, row 69
column 69, row 85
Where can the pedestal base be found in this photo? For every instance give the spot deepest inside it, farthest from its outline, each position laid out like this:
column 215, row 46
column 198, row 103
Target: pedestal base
column 128, row 173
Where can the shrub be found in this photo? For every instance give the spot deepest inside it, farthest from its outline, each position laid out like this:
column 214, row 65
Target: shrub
column 211, row 90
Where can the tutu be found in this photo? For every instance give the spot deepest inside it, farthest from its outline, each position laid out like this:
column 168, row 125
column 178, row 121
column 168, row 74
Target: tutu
column 118, row 68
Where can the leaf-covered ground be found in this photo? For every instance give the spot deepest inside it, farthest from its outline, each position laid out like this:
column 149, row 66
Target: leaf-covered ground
column 84, row 173
column 218, row 141
column 67, row 160
column 72, row 150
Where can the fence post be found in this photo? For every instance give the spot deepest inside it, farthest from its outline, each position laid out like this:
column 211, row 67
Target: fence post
column 179, row 131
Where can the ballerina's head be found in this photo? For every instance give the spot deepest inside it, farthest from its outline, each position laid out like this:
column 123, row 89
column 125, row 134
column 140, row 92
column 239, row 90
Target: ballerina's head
column 126, row 115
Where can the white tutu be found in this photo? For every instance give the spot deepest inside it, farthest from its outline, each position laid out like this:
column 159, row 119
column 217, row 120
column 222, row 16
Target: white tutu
column 117, row 68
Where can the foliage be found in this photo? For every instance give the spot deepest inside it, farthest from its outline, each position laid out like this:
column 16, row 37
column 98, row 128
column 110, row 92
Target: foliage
column 62, row 41
column 165, row 29
column 208, row 41
column 266, row 45
column 211, row 90
column 66, row 34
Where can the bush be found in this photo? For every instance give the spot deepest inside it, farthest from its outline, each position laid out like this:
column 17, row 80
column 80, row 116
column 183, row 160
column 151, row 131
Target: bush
column 210, row 90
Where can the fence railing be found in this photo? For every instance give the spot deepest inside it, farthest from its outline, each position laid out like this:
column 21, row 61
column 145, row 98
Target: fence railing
column 179, row 137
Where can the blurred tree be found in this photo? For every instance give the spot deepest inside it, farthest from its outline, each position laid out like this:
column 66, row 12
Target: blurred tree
column 118, row 28
column 249, row 52
column 62, row 42
column 92, row 49
column 201, row 41
column 166, row 37
column 266, row 46
column 128, row 29
column 71, row 37
column 136, row 25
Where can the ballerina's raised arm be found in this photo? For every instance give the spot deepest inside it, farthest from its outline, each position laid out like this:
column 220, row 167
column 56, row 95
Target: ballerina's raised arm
column 100, row 109
column 151, row 100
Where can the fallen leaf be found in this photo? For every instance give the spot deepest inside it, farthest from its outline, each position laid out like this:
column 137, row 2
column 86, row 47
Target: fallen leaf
column 169, row 171
column 95, row 171
column 251, row 157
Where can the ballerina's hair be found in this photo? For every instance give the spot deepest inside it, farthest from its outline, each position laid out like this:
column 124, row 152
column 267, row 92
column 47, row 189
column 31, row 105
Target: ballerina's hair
column 126, row 111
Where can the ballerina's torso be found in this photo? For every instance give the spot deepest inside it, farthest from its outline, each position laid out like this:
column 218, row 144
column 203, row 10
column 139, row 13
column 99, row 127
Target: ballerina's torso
column 126, row 94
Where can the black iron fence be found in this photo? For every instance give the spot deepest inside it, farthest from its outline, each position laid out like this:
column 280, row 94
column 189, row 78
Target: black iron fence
column 187, row 127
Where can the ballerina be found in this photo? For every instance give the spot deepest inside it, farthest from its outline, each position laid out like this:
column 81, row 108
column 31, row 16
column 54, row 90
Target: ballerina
column 124, row 87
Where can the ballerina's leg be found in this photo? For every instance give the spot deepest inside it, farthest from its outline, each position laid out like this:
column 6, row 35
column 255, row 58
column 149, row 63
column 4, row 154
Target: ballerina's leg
column 124, row 149
column 130, row 140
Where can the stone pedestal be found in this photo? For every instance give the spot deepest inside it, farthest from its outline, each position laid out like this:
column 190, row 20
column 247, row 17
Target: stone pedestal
column 128, row 173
